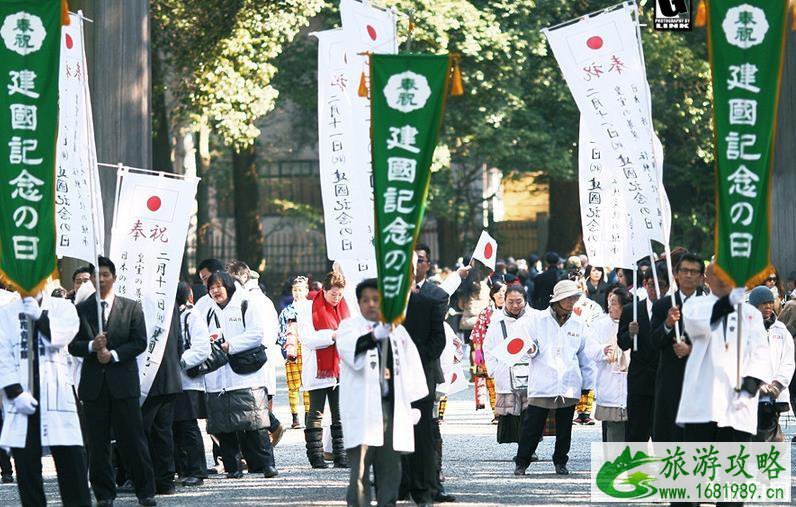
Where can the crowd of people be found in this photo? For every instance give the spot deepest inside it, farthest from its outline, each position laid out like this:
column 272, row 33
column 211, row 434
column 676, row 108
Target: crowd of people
column 607, row 344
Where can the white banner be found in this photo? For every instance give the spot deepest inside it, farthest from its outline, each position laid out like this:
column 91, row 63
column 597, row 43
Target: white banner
column 600, row 58
column 150, row 227
column 78, row 201
column 366, row 30
column 345, row 206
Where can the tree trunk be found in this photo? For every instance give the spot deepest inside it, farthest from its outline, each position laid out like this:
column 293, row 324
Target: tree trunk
column 118, row 54
column 783, row 205
column 564, row 226
column 450, row 244
column 203, row 225
column 249, row 238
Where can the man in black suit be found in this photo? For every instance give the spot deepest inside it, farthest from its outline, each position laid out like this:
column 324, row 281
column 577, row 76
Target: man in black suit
column 110, row 388
column 643, row 358
column 544, row 282
column 688, row 273
column 424, row 322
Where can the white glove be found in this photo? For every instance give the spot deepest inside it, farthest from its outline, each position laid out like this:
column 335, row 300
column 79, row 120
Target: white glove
column 381, row 332
column 736, row 296
column 31, row 307
column 25, row 403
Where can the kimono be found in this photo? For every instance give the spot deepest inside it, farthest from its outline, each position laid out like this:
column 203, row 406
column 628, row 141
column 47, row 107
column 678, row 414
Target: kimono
column 360, row 387
column 60, row 425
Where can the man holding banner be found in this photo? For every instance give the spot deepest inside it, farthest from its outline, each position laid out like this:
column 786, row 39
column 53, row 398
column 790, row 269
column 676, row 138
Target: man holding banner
column 110, row 388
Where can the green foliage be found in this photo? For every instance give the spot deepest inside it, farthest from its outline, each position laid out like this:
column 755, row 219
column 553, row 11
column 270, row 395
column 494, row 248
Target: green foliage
column 222, row 53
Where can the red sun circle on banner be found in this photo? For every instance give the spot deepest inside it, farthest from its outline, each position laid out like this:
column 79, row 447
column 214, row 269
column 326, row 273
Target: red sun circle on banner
column 515, row 345
column 371, row 32
column 153, row 203
column 453, row 378
column 488, row 251
column 594, row 42
column 69, row 42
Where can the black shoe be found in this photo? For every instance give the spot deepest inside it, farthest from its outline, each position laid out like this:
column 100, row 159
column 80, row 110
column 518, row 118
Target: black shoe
column 209, row 472
column 319, row 464
column 192, row 481
column 104, row 503
column 561, row 470
column 443, row 497
column 534, row 457
column 520, row 470
column 8, row 479
column 296, row 424
column 127, row 487
column 270, row 472
column 341, row 464
column 166, row 490
column 149, row 502
column 234, row 475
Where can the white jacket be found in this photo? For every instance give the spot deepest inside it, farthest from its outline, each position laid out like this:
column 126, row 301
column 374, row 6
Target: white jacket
column 496, row 368
column 708, row 393
column 229, row 324
column 560, row 365
column 780, row 343
column 360, row 388
column 610, row 386
column 196, row 340
column 311, row 340
column 270, row 334
column 59, row 422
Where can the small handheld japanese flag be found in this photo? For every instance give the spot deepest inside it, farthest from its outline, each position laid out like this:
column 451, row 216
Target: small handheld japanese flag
column 456, row 380
column 513, row 349
column 486, row 250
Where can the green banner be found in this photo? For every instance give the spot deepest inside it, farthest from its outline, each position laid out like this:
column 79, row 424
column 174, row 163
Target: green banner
column 745, row 46
column 29, row 58
column 408, row 95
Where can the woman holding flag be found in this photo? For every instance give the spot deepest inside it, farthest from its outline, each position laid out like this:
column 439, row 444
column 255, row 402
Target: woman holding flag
column 483, row 381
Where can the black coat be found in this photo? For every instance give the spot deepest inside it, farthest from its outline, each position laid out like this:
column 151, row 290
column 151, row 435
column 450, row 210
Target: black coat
column 425, row 325
column 126, row 335
column 671, row 370
column 168, row 379
column 597, row 294
column 543, row 288
column 644, row 361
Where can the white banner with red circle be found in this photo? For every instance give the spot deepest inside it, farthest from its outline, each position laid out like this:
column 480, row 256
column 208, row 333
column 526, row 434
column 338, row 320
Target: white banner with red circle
column 150, row 228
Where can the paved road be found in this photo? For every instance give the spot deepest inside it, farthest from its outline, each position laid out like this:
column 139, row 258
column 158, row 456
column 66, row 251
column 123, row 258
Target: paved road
column 478, row 470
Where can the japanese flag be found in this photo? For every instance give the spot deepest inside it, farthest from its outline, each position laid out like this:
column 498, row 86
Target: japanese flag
column 596, row 41
column 486, row 250
column 456, row 380
column 371, row 29
column 155, row 204
column 514, row 348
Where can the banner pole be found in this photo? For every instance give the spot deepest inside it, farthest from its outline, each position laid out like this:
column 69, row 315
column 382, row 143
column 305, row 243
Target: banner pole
column 654, row 273
column 635, row 304
column 668, row 254
column 738, row 349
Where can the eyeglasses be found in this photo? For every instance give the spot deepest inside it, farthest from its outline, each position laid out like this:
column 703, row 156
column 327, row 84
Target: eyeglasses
column 772, row 279
column 690, row 272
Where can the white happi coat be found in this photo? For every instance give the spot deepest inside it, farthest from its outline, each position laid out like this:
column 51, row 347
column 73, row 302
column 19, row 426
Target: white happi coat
column 194, row 331
column 710, row 374
column 497, row 369
column 311, row 340
column 780, row 344
column 270, row 334
column 610, row 382
column 360, row 388
column 60, row 425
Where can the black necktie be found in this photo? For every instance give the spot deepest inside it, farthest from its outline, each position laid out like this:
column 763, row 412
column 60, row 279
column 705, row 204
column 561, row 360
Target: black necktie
column 104, row 316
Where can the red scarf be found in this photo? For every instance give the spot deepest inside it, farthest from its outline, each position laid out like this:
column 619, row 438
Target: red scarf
column 326, row 316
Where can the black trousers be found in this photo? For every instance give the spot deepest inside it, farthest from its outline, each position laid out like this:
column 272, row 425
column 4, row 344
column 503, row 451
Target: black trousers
column 255, row 446
column 70, row 464
column 533, row 428
column 158, row 416
column 124, row 415
column 189, row 449
column 710, row 432
column 318, row 399
column 640, row 411
column 420, row 468
column 5, row 460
